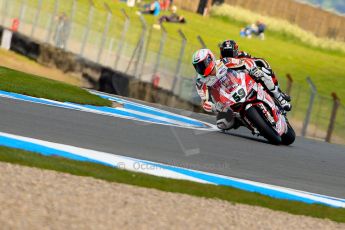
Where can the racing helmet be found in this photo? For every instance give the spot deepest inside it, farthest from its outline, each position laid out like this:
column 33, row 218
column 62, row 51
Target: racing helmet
column 228, row 48
column 204, row 62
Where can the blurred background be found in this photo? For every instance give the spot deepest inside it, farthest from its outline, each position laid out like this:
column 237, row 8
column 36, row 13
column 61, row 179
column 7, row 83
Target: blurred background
column 304, row 42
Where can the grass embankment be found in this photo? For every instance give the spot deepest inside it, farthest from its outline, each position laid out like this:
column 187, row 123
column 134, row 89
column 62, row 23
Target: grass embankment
column 285, row 55
column 28, row 84
column 285, row 52
column 287, row 48
column 178, row 186
column 19, row 62
column 278, row 26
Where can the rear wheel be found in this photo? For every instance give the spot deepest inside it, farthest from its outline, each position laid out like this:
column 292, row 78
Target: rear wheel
column 289, row 137
column 265, row 129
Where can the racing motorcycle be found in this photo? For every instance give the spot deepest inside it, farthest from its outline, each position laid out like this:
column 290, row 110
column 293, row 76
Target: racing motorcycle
column 252, row 106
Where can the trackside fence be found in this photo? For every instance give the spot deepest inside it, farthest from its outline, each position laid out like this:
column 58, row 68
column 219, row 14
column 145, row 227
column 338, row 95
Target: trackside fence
column 315, row 115
column 131, row 45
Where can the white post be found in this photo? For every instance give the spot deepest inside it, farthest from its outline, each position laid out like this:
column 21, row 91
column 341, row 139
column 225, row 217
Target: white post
column 130, row 3
column 6, row 39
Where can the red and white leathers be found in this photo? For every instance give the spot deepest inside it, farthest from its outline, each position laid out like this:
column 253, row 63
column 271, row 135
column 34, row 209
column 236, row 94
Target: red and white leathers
column 225, row 116
column 260, row 70
column 247, row 63
column 202, row 84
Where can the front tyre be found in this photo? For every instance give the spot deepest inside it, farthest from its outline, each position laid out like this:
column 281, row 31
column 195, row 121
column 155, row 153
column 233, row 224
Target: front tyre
column 265, row 129
column 289, row 137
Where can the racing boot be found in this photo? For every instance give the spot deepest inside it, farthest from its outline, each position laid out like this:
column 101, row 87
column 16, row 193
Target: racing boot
column 285, row 96
column 267, row 79
column 280, row 98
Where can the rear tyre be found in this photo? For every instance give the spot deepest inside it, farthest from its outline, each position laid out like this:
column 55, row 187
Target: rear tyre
column 265, row 129
column 289, row 137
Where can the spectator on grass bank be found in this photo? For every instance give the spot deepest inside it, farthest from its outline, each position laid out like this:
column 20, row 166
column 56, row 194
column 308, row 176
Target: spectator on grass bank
column 62, row 31
column 260, row 30
column 256, row 29
column 173, row 17
column 154, row 8
column 165, row 4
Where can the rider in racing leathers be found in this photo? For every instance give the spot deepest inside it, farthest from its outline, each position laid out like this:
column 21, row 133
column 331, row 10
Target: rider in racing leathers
column 210, row 70
column 258, row 68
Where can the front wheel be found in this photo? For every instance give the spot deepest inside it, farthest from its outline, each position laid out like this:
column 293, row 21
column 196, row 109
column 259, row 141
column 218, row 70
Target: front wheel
column 265, row 129
column 289, row 137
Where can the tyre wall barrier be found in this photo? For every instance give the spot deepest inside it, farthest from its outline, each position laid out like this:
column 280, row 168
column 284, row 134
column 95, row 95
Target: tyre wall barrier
column 23, row 45
column 94, row 75
column 114, row 82
column 147, row 92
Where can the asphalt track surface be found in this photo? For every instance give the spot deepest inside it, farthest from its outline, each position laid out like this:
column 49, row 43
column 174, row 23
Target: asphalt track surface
column 307, row 165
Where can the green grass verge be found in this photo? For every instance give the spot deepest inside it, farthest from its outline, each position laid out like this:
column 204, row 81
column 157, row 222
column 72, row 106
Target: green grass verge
column 285, row 52
column 279, row 26
column 177, row 186
column 28, row 84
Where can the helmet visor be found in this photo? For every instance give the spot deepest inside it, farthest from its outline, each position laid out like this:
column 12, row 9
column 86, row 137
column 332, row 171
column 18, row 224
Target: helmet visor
column 229, row 52
column 200, row 67
column 204, row 67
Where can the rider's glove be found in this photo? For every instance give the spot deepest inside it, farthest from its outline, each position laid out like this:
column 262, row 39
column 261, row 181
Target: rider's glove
column 209, row 106
column 256, row 73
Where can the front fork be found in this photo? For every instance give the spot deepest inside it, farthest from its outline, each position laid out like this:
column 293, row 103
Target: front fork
column 248, row 124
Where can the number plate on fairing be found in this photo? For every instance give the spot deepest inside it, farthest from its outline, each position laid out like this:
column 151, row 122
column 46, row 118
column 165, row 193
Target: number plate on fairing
column 237, row 90
column 239, row 95
column 236, row 95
